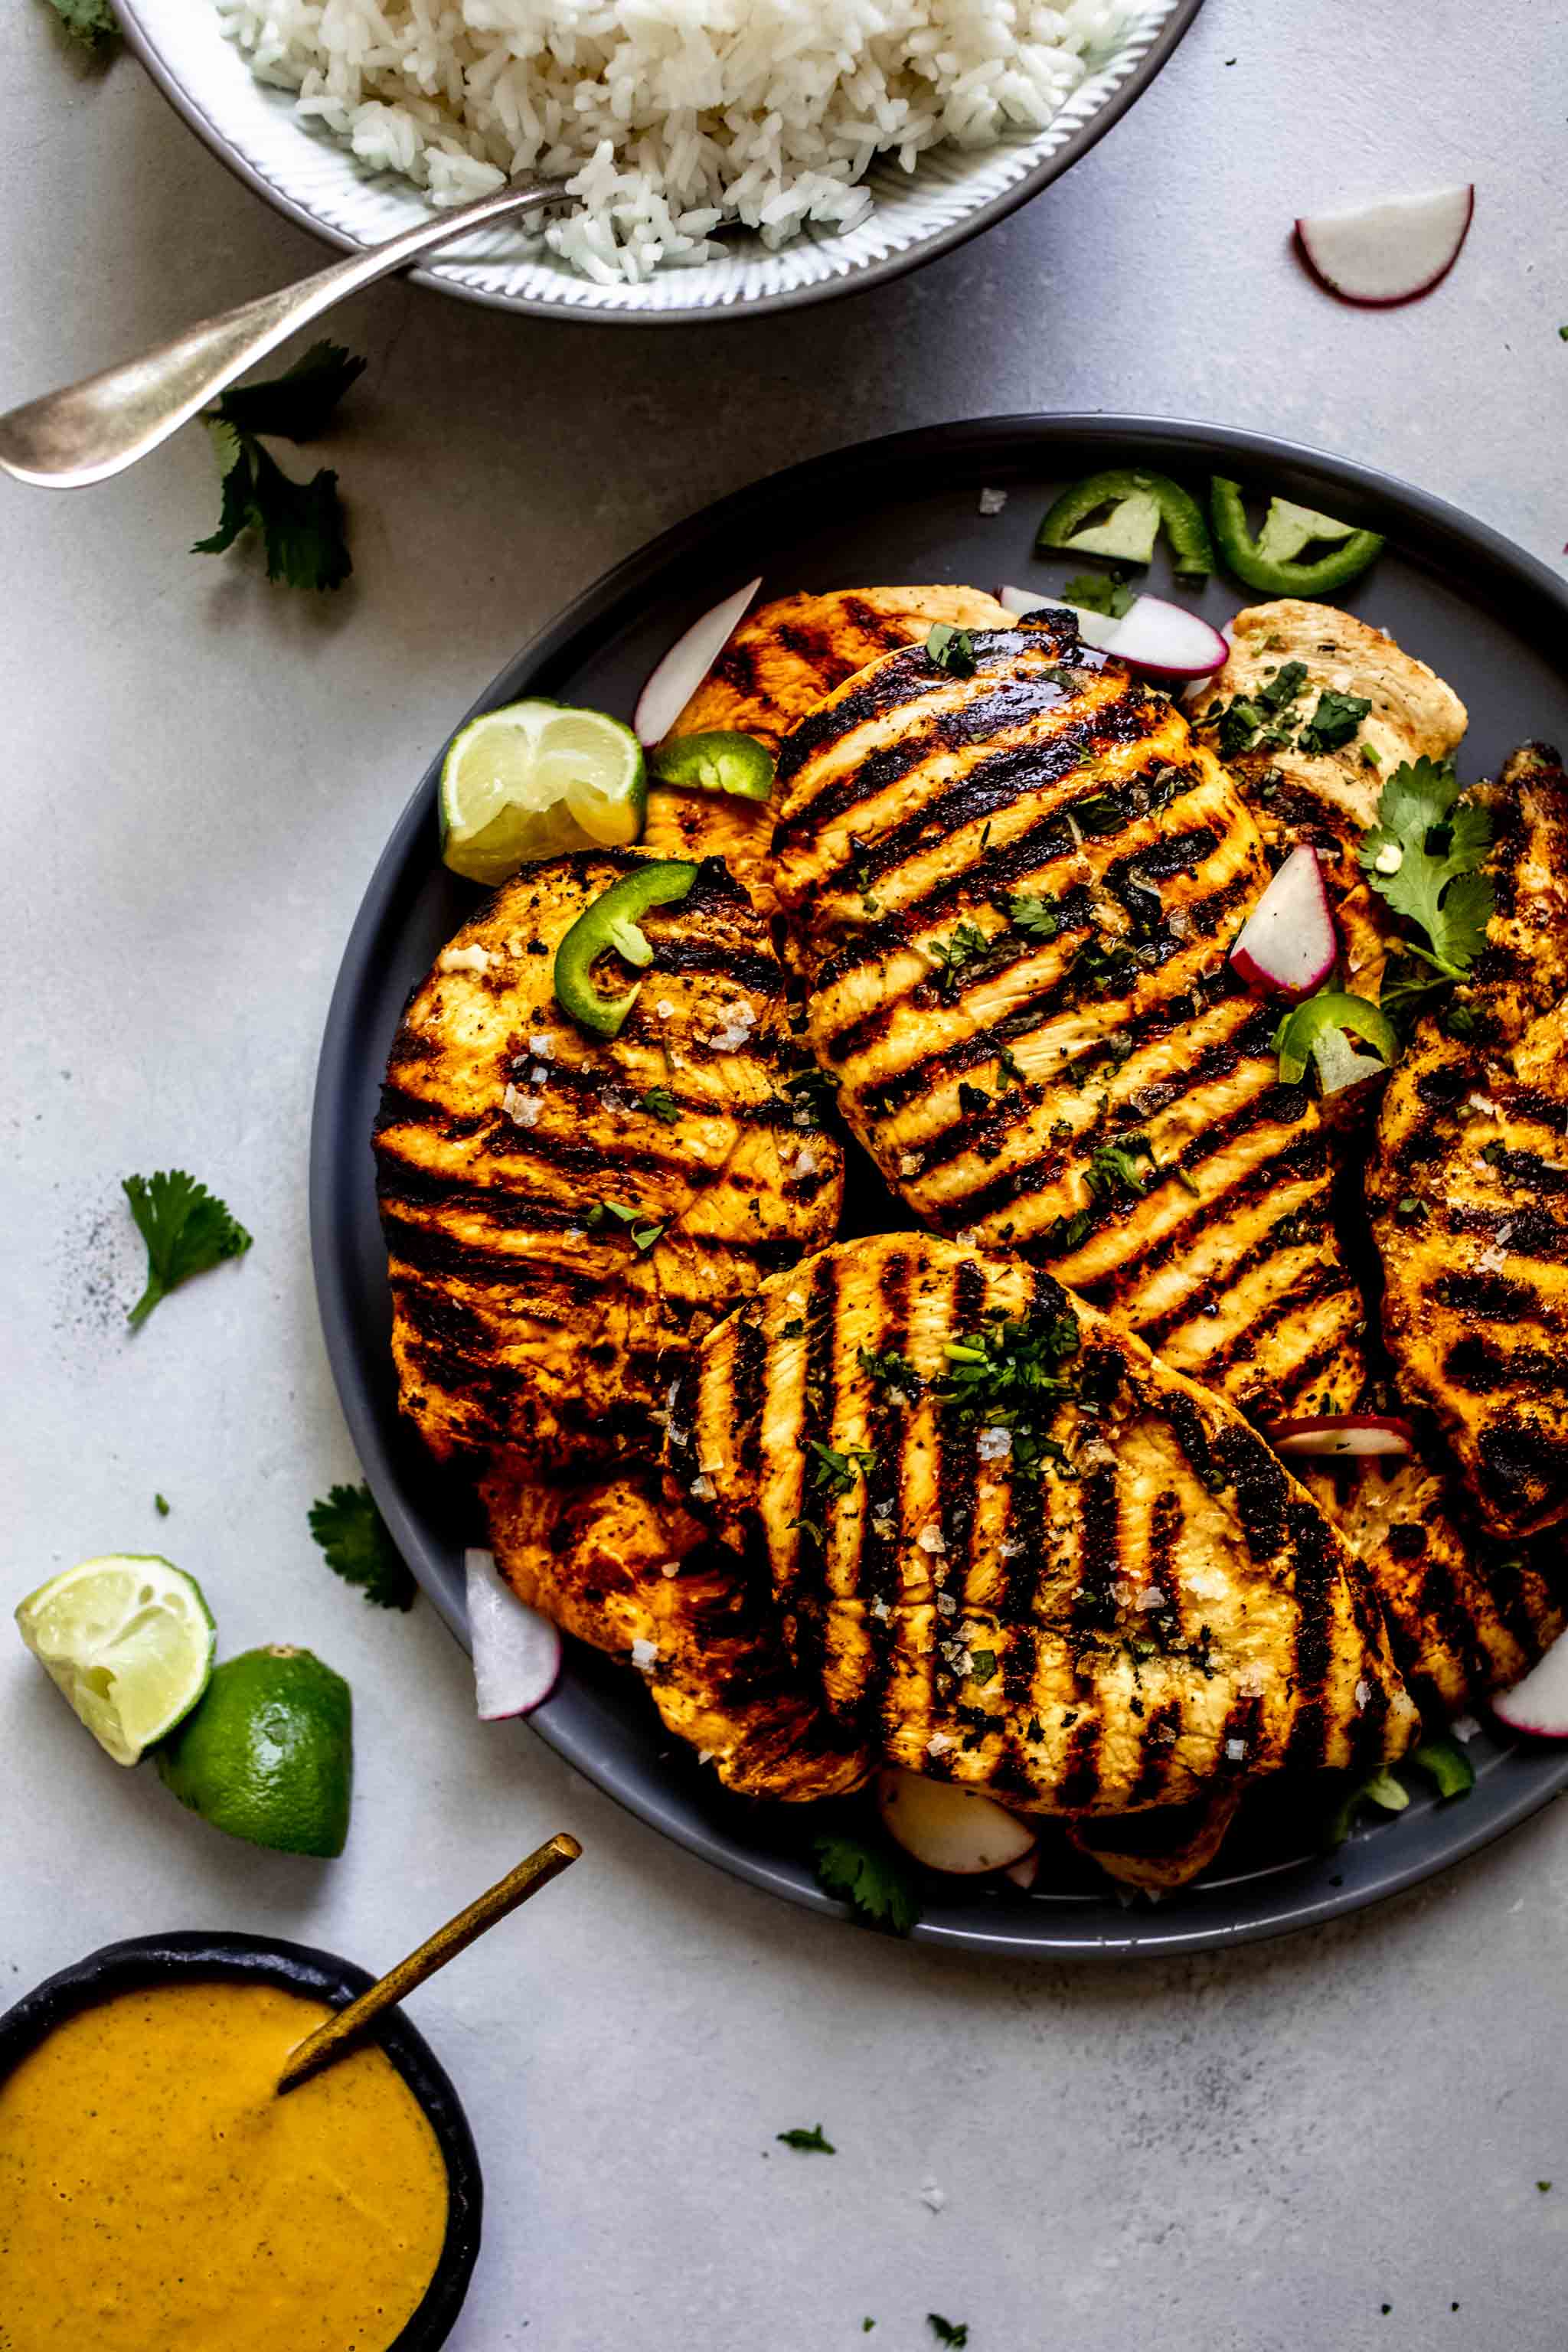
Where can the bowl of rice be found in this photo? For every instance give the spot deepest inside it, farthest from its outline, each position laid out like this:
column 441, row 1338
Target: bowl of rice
column 724, row 156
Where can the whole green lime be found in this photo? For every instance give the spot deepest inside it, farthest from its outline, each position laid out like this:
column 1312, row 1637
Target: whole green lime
column 267, row 1754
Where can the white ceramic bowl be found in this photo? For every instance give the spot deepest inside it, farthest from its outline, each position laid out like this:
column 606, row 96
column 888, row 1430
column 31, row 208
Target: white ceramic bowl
column 316, row 181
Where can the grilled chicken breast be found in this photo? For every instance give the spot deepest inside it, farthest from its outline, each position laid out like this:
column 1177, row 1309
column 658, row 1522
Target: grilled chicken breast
column 1324, row 799
column 1465, row 1616
column 1092, row 1596
column 553, row 1235
column 1014, row 893
column 1162, row 1850
column 1468, row 1184
column 619, row 1566
column 779, row 664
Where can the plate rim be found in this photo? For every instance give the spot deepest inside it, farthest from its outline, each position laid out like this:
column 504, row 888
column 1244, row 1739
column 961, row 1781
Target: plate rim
column 151, row 55
column 1538, row 1775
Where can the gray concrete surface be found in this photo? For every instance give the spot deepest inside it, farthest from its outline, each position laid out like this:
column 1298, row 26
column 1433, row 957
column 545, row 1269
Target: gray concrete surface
column 1256, row 2151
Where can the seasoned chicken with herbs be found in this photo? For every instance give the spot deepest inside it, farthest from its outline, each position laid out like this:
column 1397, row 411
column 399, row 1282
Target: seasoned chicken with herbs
column 1014, row 885
column 1468, row 1185
column 1014, row 1551
column 565, row 1212
column 776, row 668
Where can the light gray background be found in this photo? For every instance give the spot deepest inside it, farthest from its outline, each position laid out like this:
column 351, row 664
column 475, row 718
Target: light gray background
column 1253, row 2150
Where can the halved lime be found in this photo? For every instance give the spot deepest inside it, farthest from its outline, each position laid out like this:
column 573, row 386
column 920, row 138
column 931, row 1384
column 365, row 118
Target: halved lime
column 533, row 781
column 130, row 1640
column 269, row 1754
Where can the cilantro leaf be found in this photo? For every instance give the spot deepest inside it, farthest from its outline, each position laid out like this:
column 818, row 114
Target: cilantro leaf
column 1096, row 592
column 945, row 2331
column 294, row 406
column 872, row 1878
column 300, row 523
column 966, row 946
column 1423, row 856
column 358, row 1547
column 798, row 2137
column 951, row 649
column 660, row 1104
column 836, row 1468
column 93, row 22
column 890, row 1369
column 185, row 1229
column 1335, row 722
column 1117, row 1163
column 1038, row 918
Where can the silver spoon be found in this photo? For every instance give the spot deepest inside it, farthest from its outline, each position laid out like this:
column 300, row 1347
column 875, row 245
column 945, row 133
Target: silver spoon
column 98, row 427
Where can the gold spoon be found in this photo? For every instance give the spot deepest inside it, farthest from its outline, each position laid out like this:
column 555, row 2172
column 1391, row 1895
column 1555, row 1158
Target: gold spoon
column 330, row 2040
column 98, row 427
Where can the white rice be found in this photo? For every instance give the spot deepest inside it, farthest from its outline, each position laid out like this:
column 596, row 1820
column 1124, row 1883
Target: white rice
column 668, row 117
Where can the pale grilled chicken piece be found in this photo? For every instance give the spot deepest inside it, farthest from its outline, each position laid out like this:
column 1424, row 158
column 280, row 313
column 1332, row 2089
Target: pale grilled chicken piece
column 1468, row 1185
column 527, row 1314
column 1171, row 1616
column 1465, row 1616
column 1014, row 894
column 779, row 664
column 1325, row 800
column 617, row 1564
column 1162, row 1850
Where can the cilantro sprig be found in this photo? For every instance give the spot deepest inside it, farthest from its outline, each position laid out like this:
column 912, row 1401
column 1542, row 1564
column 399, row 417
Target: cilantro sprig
column 1423, row 856
column 871, row 1879
column 186, row 1231
column 91, row 23
column 300, row 523
column 358, row 1547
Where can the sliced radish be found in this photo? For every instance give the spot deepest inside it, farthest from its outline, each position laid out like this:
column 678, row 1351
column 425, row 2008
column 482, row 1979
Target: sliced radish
column 674, row 680
column 1384, row 254
column 1539, row 1704
column 1342, row 1066
column 1167, row 641
column 1093, row 628
column 517, row 1653
column 1288, row 944
column 960, row 1830
column 1024, row 1872
column 1341, row 1436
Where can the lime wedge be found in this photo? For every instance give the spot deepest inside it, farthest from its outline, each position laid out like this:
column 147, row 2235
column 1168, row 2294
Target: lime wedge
column 534, row 781
column 128, row 1639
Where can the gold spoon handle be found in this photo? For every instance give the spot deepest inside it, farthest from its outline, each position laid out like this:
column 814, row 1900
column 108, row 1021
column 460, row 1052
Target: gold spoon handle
column 329, row 2041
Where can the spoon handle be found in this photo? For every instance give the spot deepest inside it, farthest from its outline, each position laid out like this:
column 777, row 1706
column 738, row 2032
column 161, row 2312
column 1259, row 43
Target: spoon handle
column 329, row 2041
column 93, row 429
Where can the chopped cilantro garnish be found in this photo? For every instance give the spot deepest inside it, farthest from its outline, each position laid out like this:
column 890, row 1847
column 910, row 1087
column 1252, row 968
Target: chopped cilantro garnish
column 1117, row 1163
column 1097, row 592
column 951, row 649
column 185, row 1229
column 355, row 1538
column 945, row 2331
column 798, row 2137
column 660, row 1103
column 870, row 1877
column 966, row 945
column 300, row 523
column 1038, row 918
column 1423, row 856
column 982, row 1664
column 159, row 1503
column 836, row 1468
column 640, row 1231
column 811, row 1091
column 93, row 22
column 888, row 1370
column 1335, row 723
column 1007, row 1375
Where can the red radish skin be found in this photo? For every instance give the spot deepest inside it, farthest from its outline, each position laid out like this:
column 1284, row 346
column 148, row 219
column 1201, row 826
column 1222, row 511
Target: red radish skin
column 1539, row 1704
column 517, row 1653
column 1166, row 640
column 673, row 681
column 1342, row 1437
column 1287, row 945
column 960, row 1832
column 1381, row 256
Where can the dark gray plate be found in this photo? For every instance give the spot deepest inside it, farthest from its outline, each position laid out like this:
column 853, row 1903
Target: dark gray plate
column 1489, row 619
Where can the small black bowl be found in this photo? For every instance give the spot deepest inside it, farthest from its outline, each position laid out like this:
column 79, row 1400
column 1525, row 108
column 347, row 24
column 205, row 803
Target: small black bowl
column 146, row 1961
